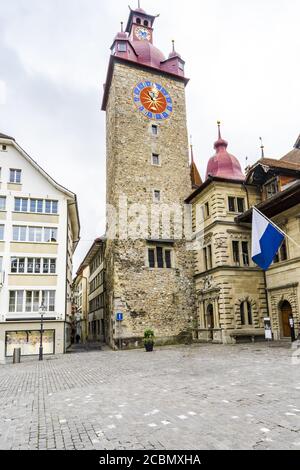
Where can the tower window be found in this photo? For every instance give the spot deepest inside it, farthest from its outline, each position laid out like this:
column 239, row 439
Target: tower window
column 138, row 21
column 160, row 257
column 146, row 23
column 155, row 159
column 208, row 261
column 154, row 129
column 156, row 195
column 3, row 148
column 122, row 47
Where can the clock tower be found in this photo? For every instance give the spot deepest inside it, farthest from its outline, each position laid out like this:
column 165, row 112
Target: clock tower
column 149, row 268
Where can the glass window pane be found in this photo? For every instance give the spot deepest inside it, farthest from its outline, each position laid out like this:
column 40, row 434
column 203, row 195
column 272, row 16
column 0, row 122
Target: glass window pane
column 241, row 205
column 54, row 207
column 28, row 301
column 20, row 301
column 21, row 265
column 16, row 232
column 12, row 301
column 24, row 205
column 36, row 300
column 40, row 206
column 17, row 204
column 23, row 234
column 236, row 252
column 31, row 235
column 30, row 265
column 37, row 265
column 46, row 266
column 2, row 203
column 14, row 265
column 168, row 259
column 33, row 205
column 231, row 204
column 53, row 266
column 151, row 257
column 48, row 207
column 160, row 259
column 1, row 232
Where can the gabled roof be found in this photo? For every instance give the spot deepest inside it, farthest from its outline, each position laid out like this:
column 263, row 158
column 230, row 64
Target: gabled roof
column 7, row 137
column 276, row 204
column 91, row 253
column 72, row 196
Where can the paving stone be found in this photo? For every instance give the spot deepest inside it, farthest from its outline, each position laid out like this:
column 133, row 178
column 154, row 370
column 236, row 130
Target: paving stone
column 193, row 397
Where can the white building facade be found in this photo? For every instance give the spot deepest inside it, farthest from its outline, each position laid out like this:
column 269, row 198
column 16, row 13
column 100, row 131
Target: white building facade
column 39, row 232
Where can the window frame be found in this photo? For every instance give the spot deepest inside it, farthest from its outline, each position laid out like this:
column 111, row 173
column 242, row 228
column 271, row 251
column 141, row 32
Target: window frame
column 3, row 198
column 167, row 257
column 17, row 176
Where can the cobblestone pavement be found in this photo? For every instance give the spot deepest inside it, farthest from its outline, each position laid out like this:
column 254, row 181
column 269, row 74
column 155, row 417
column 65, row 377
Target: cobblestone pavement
column 190, row 397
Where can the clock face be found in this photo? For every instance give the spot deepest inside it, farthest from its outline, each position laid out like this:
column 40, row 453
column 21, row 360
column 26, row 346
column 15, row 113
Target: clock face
column 142, row 34
column 153, row 100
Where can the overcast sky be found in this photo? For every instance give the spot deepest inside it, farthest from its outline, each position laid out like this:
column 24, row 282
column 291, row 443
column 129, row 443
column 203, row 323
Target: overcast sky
column 242, row 57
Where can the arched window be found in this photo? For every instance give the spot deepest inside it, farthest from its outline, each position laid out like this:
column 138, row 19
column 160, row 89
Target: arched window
column 146, row 23
column 246, row 314
column 138, row 21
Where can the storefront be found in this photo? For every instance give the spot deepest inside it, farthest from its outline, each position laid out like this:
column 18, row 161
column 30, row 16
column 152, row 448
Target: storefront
column 27, row 335
column 29, row 342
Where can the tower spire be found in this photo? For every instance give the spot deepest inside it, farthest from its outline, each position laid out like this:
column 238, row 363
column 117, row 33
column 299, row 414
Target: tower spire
column 173, row 45
column 122, row 29
column 219, row 130
column 262, row 148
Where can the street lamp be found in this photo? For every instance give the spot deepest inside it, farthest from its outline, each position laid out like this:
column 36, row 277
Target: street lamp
column 42, row 310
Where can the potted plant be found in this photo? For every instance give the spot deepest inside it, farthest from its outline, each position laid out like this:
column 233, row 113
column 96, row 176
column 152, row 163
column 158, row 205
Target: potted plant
column 149, row 340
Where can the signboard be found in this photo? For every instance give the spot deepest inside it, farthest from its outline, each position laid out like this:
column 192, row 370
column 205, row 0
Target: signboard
column 119, row 316
column 268, row 329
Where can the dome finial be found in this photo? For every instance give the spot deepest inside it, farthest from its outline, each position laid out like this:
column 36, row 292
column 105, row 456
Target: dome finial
column 173, row 45
column 139, row 3
column 262, row 148
column 219, row 129
column 122, row 29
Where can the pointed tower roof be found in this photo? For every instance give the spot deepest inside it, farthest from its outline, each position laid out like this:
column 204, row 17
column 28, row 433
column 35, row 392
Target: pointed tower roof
column 294, row 155
column 195, row 175
column 223, row 164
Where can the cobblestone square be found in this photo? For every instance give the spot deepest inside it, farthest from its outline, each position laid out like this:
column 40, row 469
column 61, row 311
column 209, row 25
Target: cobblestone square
column 189, row 397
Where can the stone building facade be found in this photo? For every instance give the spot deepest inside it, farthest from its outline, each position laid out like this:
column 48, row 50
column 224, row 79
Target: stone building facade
column 233, row 294
column 149, row 269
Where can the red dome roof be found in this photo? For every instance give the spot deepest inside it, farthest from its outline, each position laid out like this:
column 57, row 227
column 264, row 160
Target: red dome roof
column 148, row 54
column 223, row 164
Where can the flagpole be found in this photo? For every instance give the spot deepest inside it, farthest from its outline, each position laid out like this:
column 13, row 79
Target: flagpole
column 275, row 226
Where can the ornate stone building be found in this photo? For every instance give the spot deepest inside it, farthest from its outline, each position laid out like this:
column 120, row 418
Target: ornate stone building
column 233, row 294
column 149, row 269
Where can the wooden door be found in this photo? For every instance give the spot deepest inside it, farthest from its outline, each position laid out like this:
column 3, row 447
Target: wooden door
column 286, row 313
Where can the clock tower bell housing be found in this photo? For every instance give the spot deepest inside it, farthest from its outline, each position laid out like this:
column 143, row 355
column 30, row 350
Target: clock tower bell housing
column 149, row 276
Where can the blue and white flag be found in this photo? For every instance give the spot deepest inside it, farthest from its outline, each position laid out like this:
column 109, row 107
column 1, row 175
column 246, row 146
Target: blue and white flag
column 266, row 240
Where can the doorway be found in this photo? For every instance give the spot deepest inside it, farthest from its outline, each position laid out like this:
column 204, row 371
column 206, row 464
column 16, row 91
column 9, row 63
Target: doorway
column 210, row 323
column 286, row 313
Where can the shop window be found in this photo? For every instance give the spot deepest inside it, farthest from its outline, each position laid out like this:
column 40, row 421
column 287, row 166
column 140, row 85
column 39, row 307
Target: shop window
column 29, row 342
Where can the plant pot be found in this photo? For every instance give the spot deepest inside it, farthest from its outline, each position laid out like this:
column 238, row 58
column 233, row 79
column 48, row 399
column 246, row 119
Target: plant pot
column 149, row 347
